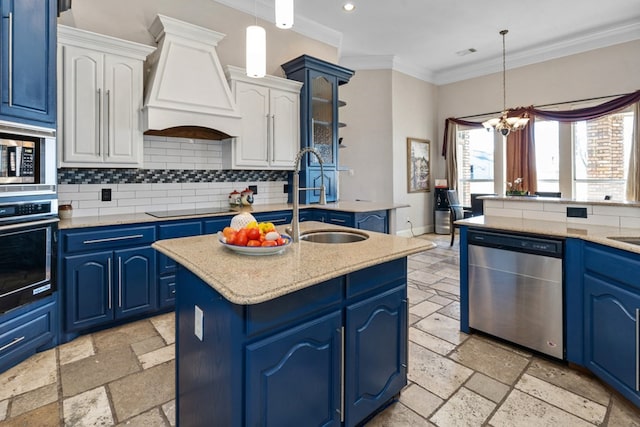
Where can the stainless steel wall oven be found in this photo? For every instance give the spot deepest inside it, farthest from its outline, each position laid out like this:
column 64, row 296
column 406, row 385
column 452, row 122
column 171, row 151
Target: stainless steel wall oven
column 26, row 252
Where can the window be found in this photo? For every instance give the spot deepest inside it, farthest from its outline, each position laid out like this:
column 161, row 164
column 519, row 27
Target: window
column 601, row 149
column 547, row 155
column 475, row 163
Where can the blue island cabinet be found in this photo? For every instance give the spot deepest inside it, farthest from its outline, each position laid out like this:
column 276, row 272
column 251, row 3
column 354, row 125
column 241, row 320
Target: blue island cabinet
column 331, row 354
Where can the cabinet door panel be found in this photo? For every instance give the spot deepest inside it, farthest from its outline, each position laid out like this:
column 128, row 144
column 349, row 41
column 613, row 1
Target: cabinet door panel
column 285, row 128
column 88, row 290
column 121, row 106
column 29, row 86
column 373, row 221
column 82, row 103
column 376, row 349
column 610, row 327
column 253, row 102
column 136, row 279
column 302, row 364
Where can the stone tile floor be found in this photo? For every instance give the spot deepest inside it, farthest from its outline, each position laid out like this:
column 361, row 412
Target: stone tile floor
column 125, row 375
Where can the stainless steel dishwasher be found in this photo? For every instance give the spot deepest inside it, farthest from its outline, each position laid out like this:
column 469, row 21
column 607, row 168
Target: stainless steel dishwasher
column 516, row 289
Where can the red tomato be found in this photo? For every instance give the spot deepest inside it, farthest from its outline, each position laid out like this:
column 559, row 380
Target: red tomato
column 269, row 243
column 253, row 233
column 253, row 243
column 280, row 241
column 241, row 238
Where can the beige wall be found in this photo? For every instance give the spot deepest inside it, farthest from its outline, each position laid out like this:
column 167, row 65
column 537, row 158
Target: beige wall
column 386, row 107
column 414, row 113
column 130, row 19
column 367, row 137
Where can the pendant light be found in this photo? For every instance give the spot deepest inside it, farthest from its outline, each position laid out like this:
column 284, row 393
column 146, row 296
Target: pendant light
column 504, row 124
column 256, row 49
column 284, row 14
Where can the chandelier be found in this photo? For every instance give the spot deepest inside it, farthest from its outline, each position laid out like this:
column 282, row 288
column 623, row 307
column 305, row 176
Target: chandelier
column 504, row 124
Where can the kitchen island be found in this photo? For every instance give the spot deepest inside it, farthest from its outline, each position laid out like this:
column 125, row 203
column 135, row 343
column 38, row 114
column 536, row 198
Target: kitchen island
column 316, row 335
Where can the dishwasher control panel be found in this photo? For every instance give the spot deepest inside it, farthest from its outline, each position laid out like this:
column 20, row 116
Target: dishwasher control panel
column 515, row 242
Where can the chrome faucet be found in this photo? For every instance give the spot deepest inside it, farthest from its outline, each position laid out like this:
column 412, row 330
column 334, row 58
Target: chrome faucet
column 295, row 221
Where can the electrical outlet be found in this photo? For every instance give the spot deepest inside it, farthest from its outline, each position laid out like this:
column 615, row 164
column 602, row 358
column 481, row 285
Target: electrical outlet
column 198, row 323
column 254, row 188
column 106, row 195
column 285, row 188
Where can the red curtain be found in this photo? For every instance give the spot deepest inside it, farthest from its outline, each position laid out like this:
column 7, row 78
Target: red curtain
column 521, row 159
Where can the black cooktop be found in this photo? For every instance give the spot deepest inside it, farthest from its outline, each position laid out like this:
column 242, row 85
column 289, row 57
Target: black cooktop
column 186, row 212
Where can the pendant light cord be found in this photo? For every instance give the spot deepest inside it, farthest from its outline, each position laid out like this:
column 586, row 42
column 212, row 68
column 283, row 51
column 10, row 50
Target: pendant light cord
column 504, row 73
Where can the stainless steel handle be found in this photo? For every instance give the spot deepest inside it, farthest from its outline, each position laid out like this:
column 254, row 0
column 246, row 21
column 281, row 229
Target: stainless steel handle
column 273, row 137
column 406, row 355
column 339, row 221
column 342, row 374
column 99, row 122
column 10, row 62
column 113, row 239
column 110, row 282
column 120, row 282
column 637, row 350
column 29, row 224
column 107, row 113
column 12, row 343
column 269, row 141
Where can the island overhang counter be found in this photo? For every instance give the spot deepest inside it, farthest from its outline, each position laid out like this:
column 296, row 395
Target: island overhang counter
column 316, row 335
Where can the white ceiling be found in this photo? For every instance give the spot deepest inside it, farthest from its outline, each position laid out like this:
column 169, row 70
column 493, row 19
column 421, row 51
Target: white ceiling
column 421, row 37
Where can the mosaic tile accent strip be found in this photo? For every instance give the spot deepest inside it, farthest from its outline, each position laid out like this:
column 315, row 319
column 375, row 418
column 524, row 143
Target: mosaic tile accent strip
column 154, row 176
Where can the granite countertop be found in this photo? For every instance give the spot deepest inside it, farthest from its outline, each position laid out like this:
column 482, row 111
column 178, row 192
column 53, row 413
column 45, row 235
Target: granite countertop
column 356, row 206
column 247, row 280
column 593, row 233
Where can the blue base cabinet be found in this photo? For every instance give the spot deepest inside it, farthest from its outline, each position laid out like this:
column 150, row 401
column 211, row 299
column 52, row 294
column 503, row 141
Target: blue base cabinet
column 108, row 274
column 329, row 355
column 27, row 330
column 373, row 221
column 28, row 61
column 611, row 317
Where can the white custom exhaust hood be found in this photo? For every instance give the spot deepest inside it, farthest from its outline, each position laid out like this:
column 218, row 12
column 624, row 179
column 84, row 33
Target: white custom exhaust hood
column 186, row 88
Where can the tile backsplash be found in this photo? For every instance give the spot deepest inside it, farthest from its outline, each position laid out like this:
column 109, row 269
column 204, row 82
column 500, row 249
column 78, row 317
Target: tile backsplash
column 177, row 174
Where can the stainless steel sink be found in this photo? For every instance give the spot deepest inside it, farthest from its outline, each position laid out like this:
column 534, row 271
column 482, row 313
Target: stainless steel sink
column 333, row 236
column 631, row 240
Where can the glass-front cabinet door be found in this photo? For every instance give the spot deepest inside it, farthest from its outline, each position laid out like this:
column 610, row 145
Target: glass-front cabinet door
column 323, row 129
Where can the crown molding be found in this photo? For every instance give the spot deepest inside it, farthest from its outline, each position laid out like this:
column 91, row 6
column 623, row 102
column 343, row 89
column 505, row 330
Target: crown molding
column 580, row 43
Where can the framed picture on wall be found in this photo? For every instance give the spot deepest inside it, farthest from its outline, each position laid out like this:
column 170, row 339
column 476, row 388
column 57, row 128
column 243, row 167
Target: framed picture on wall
column 418, row 166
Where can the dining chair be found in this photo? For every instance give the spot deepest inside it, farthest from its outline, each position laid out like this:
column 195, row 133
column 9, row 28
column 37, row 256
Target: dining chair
column 456, row 212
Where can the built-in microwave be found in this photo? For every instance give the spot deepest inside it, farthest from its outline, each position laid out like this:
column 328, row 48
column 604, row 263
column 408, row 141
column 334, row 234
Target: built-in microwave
column 27, row 160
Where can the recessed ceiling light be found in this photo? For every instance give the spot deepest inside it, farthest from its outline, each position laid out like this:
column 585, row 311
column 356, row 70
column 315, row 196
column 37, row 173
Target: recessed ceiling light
column 348, row 7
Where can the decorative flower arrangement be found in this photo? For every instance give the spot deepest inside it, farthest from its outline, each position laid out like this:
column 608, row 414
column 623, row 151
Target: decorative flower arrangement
column 515, row 189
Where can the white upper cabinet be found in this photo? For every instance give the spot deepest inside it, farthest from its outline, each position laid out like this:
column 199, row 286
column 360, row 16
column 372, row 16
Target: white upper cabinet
column 270, row 110
column 100, row 100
